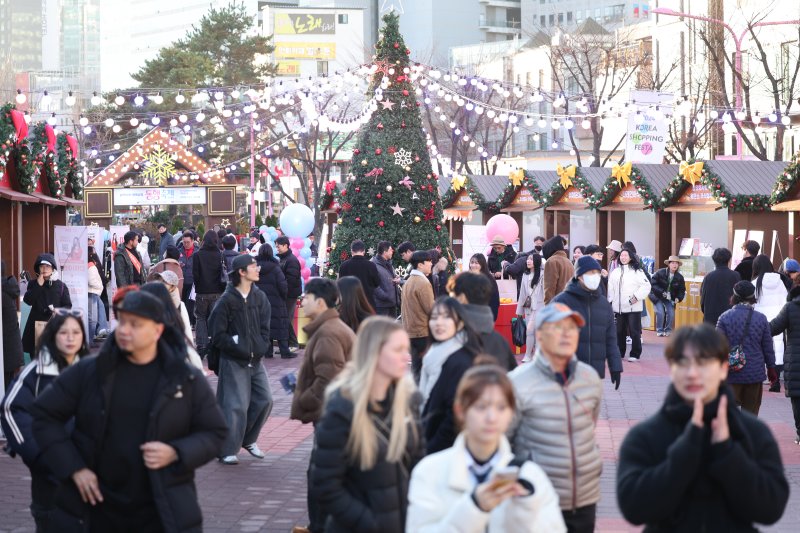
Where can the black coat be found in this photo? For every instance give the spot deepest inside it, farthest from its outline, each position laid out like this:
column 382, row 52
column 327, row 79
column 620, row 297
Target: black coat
column 12, row 341
column 124, row 271
column 291, row 270
column 479, row 318
column 438, row 418
column 672, row 478
column 184, row 414
column 366, row 271
column 207, row 270
column 659, row 282
column 788, row 321
column 598, row 341
column 745, row 268
column 495, row 260
column 356, row 500
column 248, row 319
column 40, row 298
column 272, row 282
column 716, row 292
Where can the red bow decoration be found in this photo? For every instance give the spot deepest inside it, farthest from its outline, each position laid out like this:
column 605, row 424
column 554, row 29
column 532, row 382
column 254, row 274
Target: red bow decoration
column 428, row 213
column 330, row 187
column 19, row 124
column 375, row 172
column 72, row 142
column 51, row 138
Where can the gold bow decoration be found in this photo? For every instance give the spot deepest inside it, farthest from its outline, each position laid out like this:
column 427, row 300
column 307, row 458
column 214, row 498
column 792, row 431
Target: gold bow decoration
column 516, row 177
column 565, row 175
column 691, row 172
column 622, row 173
column 458, row 182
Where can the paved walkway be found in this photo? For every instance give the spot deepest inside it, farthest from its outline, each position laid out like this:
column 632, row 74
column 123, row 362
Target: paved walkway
column 269, row 495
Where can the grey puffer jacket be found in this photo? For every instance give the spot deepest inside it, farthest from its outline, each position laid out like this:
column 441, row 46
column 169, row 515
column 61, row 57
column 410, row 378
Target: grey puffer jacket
column 555, row 425
column 386, row 294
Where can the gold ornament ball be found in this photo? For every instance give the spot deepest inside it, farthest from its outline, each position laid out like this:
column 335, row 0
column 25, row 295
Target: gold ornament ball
column 330, row 272
column 364, row 163
column 388, row 188
column 408, row 169
column 333, row 246
column 338, row 220
column 416, row 220
column 369, row 206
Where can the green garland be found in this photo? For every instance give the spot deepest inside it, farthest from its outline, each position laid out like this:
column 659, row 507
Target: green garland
column 736, row 203
column 28, row 166
column 612, row 188
column 68, row 167
column 786, row 181
column 49, row 166
column 472, row 190
column 580, row 183
column 510, row 192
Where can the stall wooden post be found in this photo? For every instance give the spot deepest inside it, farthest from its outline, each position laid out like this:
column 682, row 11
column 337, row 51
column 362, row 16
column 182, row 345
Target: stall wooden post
column 664, row 244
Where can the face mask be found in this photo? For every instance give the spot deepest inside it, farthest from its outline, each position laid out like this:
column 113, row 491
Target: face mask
column 537, row 248
column 592, row 281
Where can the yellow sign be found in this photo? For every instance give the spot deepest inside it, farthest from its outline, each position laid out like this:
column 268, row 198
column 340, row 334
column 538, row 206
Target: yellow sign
column 304, row 24
column 305, row 50
column 289, row 68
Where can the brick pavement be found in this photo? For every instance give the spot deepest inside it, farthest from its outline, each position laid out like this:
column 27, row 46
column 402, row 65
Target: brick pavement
column 269, row 495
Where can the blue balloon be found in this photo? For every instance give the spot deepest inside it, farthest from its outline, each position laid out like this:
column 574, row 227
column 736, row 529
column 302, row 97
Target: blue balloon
column 307, row 242
column 272, row 229
column 263, row 229
column 297, row 220
column 305, row 253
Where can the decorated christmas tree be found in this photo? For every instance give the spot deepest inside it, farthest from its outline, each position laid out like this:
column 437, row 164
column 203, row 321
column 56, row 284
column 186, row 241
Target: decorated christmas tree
column 392, row 193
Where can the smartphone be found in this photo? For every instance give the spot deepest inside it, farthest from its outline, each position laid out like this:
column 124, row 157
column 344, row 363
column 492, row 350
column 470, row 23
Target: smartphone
column 505, row 476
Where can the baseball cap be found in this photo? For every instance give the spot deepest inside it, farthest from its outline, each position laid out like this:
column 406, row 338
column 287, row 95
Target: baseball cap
column 556, row 311
column 142, row 304
column 241, row 262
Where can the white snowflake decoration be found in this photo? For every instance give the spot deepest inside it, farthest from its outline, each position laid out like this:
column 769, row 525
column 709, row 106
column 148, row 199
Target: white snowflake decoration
column 371, row 251
column 402, row 157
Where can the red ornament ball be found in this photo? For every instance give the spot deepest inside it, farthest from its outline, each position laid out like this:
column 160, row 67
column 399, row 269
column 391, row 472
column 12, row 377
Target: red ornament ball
column 397, row 45
column 358, row 189
column 381, row 223
column 378, row 151
column 380, row 125
column 358, row 219
column 405, row 92
column 438, row 227
column 379, row 196
column 356, row 151
column 408, row 52
column 403, row 124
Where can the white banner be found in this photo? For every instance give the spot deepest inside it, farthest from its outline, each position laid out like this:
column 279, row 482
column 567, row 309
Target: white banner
column 71, row 243
column 475, row 242
column 96, row 234
column 160, row 196
column 648, row 129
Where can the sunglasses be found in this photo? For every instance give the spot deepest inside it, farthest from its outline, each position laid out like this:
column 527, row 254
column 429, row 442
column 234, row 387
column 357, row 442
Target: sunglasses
column 63, row 311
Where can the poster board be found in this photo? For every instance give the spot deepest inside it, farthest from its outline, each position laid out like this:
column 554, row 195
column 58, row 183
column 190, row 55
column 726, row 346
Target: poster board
column 71, row 243
column 739, row 236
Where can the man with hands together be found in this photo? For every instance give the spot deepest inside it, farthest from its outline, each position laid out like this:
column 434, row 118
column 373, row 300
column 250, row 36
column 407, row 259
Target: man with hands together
column 700, row 463
column 144, row 420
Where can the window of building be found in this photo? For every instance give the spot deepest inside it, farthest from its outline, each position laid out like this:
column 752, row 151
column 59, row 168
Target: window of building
column 569, row 16
column 598, row 12
column 552, row 20
column 561, row 18
column 343, row 19
column 542, row 20
column 322, row 68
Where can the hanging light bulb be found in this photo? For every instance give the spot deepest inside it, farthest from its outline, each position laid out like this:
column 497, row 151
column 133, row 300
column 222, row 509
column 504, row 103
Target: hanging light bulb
column 109, row 122
column 569, row 124
column 555, row 124
column 96, row 100
column 116, row 129
column 785, row 120
column 138, row 100
column 20, row 98
column 756, row 118
column 714, row 114
column 45, row 100
column 542, row 123
column 134, row 122
column 157, row 98
column 586, row 124
column 83, row 121
column 726, row 118
column 773, row 117
column 52, row 119
column 119, row 100
column 201, row 117
column 741, row 114
column 70, row 99
column 179, row 99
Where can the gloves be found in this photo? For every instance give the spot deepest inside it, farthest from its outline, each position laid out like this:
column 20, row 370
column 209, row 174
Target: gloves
column 616, row 377
column 772, row 375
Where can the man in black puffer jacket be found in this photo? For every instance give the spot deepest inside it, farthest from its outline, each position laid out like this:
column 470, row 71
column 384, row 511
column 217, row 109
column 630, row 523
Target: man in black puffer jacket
column 699, row 463
column 207, row 265
column 291, row 270
column 788, row 321
column 145, row 420
column 598, row 342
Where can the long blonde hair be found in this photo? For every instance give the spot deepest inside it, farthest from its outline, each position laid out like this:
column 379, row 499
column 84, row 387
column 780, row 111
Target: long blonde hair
column 355, row 383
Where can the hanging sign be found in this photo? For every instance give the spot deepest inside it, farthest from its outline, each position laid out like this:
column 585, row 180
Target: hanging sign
column 648, row 129
column 305, row 24
column 160, row 196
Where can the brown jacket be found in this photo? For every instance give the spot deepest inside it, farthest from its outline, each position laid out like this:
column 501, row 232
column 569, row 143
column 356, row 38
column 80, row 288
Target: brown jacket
column 168, row 264
column 416, row 305
column 558, row 270
column 327, row 350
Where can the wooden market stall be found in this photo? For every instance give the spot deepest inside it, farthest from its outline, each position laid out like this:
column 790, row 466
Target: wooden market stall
column 462, row 197
column 571, row 210
column 785, row 198
column 527, row 196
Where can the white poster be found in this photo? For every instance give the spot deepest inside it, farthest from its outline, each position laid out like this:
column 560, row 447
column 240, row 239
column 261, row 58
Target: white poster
column 160, row 196
column 648, row 129
column 71, row 243
column 96, row 234
column 475, row 242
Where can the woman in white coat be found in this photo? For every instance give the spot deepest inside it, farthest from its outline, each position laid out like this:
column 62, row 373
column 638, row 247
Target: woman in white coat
column 531, row 299
column 478, row 485
column 771, row 295
column 628, row 287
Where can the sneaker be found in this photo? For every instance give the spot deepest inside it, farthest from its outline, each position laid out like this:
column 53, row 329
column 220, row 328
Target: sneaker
column 102, row 334
column 633, row 359
column 659, row 334
column 628, row 340
column 229, row 460
column 254, row 450
column 526, row 358
column 775, row 387
column 797, row 440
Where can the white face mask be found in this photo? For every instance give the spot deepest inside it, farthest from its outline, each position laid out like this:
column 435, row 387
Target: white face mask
column 592, row 281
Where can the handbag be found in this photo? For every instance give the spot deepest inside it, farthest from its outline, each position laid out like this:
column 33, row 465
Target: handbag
column 736, row 357
column 527, row 304
column 519, row 331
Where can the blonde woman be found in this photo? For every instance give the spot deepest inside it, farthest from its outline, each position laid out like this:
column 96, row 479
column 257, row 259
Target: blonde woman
column 368, row 438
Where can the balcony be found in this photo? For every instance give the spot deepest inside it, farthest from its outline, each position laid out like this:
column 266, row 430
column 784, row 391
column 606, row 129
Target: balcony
column 508, row 27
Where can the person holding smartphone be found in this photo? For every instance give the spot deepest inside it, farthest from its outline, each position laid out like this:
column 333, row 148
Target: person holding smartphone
column 478, row 485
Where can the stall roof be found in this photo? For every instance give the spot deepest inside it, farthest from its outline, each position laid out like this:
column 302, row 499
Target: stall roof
column 545, row 178
column 748, row 177
column 490, row 187
column 43, row 198
column 596, row 176
column 17, row 196
column 658, row 176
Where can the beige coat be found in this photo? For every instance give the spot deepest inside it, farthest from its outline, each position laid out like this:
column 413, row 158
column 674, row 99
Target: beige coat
column 556, row 423
column 416, row 305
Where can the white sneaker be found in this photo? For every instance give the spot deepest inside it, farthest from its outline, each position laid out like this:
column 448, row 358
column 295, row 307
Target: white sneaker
column 229, row 460
column 633, row 359
column 255, row 451
column 628, row 340
column 526, row 359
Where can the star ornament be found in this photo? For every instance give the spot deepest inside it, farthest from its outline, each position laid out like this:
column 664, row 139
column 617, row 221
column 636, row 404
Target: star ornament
column 225, row 222
column 393, row 5
column 402, row 157
column 397, row 210
column 387, row 104
column 406, row 181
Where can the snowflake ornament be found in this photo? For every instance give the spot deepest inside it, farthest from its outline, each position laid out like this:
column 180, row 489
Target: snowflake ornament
column 371, row 251
column 402, row 158
column 159, row 166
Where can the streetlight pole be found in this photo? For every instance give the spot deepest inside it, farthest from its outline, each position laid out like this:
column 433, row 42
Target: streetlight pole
column 737, row 59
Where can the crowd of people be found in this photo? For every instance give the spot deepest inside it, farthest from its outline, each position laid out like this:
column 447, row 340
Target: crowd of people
column 423, row 419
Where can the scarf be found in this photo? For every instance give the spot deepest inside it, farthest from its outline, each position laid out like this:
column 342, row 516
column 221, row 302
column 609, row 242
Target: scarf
column 433, row 361
column 136, row 263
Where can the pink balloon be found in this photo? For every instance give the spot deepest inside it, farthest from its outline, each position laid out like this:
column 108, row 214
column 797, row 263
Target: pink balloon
column 502, row 226
column 302, row 262
column 297, row 243
column 306, row 273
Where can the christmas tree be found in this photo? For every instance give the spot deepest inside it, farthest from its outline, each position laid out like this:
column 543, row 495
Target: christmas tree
column 392, row 193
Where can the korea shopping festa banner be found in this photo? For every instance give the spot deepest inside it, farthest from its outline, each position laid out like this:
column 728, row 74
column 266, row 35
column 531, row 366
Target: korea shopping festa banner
column 72, row 255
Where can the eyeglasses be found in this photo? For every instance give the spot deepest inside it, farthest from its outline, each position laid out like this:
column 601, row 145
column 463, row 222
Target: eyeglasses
column 63, row 311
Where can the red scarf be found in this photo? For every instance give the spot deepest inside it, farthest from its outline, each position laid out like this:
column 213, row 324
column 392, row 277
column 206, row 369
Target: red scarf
column 136, row 263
